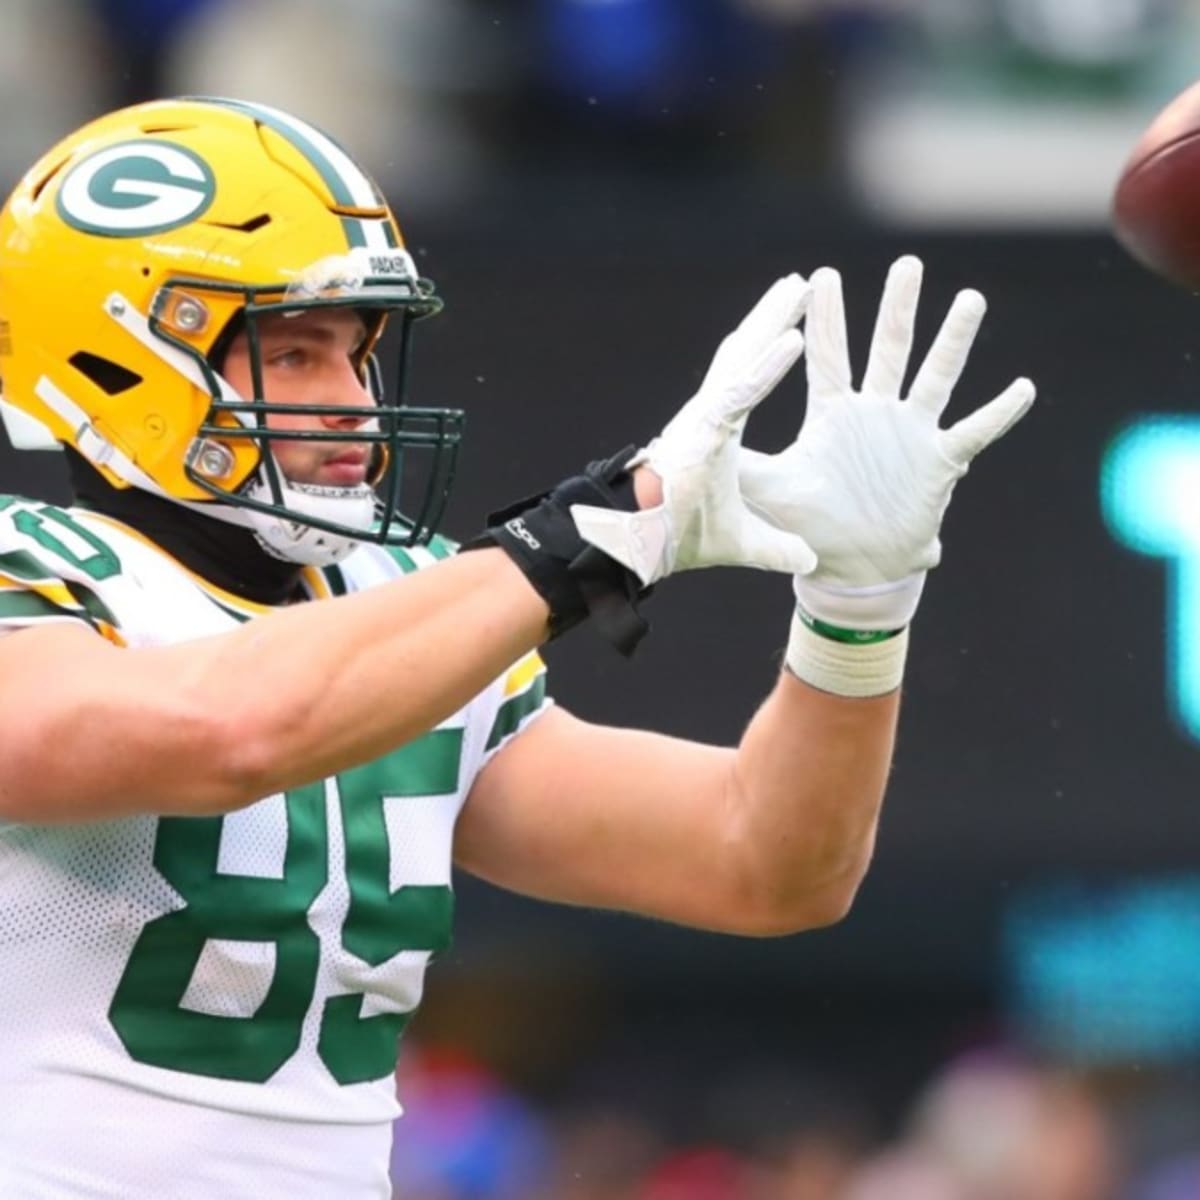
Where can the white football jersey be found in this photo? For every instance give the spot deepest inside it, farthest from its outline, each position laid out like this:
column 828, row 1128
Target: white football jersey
column 207, row 1008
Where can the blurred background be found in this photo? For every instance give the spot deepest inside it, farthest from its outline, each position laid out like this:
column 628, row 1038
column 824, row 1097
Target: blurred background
column 600, row 189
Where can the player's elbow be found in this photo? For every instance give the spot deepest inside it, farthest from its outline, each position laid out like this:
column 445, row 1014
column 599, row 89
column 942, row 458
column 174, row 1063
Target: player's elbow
column 798, row 913
column 827, row 905
column 795, row 898
column 785, row 875
column 243, row 760
column 203, row 762
column 199, row 752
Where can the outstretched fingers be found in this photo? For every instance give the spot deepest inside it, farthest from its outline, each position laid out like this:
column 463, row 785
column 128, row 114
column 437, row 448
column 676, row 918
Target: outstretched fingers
column 825, row 326
column 780, row 308
column 757, row 379
column 963, row 440
column 891, row 343
column 947, row 356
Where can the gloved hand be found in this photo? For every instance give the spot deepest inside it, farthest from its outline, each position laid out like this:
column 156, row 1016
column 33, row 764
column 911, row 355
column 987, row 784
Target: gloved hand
column 704, row 521
column 868, row 478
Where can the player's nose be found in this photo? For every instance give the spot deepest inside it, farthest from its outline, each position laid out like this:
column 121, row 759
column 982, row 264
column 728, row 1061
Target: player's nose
column 348, row 393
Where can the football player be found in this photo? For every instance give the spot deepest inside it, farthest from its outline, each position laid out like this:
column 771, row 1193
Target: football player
column 245, row 739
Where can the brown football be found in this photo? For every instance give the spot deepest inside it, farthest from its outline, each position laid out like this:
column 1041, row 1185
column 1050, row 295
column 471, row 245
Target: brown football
column 1156, row 204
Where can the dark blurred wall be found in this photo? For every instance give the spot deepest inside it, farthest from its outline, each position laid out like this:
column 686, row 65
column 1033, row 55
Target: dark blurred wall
column 1035, row 732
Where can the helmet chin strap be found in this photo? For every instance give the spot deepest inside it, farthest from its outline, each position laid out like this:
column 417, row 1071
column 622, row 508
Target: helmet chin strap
column 295, row 541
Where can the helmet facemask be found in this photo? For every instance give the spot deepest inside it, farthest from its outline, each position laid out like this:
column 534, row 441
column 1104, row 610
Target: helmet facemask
column 413, row 450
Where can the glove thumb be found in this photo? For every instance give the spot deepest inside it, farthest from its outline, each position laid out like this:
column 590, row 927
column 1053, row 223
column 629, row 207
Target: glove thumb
column 638, row 540
column 963, row 440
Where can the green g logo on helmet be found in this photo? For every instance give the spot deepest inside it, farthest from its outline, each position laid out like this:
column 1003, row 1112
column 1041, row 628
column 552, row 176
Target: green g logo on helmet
column 136, row 188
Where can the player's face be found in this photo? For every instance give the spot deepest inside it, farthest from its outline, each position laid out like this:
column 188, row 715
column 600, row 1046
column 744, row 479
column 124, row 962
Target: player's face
column 308, row 359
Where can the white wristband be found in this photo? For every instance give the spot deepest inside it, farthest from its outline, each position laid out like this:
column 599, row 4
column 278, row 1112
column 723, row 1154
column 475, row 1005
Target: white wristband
column 857, row 669
column 877, row 606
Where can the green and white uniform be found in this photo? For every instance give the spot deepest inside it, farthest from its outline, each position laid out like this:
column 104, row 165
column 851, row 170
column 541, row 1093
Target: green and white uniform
column 208, row 1007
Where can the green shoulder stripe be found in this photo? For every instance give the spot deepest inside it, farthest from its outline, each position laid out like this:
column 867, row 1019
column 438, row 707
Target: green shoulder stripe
column 92, row 605
column 413, row 558
column 76, row 601
column 442, row 547
column 515, row 710
column 24, row 568
column 29, row 606
column 336, row 579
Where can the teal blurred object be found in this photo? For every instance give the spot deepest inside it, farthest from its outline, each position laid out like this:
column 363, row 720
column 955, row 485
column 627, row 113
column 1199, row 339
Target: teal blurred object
column 1106, row 974
column 1150, row 498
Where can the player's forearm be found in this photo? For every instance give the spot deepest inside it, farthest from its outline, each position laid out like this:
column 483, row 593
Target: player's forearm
column 809, row 778
column 211, row 725
column 390, row 665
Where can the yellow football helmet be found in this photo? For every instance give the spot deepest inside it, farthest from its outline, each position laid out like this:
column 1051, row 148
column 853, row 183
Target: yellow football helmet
column 134, row 246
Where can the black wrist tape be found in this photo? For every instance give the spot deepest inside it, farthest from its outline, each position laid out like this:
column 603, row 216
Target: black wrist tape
column 572, row 576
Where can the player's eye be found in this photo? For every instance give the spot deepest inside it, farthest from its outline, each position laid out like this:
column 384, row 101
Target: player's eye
column 290, row 357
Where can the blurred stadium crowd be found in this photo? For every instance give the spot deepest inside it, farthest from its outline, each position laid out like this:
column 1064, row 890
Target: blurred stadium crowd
column 988, row 1126
column 922, row 107
column 1080, row 1083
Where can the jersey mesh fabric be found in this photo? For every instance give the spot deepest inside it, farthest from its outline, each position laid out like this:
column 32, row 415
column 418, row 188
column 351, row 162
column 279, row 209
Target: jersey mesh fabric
column 208, row 1006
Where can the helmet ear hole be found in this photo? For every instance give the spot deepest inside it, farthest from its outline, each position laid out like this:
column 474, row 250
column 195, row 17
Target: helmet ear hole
column 110, row 377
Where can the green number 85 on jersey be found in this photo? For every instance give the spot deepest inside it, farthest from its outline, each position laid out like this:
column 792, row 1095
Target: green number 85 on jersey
column 148, row 1010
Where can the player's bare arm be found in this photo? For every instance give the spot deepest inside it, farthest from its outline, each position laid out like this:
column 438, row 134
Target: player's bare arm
column 770, row 838
column 211, row 725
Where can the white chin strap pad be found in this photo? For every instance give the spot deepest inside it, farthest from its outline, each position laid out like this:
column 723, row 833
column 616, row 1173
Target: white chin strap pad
column 296, row 542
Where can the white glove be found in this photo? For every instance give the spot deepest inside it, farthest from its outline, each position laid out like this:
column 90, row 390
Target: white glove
column 868, row 478
column 703, row 520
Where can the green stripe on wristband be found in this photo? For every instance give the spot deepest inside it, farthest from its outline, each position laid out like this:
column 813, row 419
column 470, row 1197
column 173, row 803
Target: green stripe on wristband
column 853, row 637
